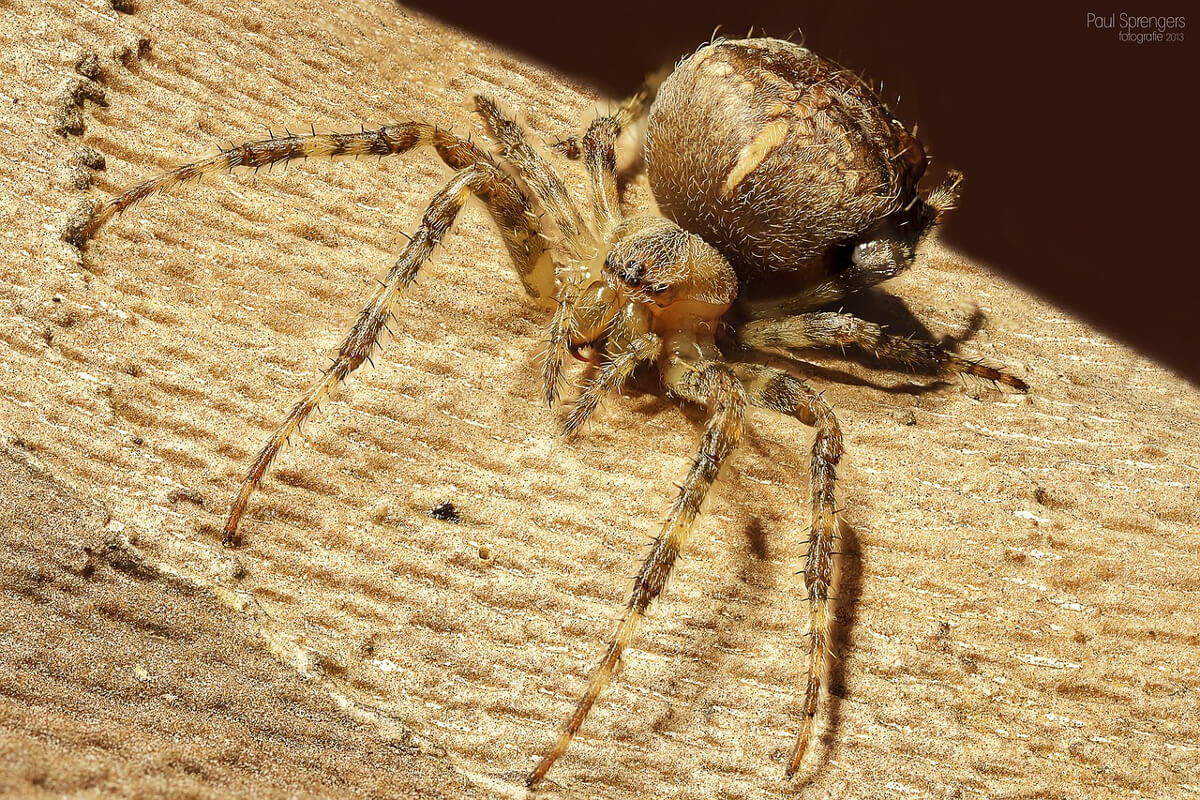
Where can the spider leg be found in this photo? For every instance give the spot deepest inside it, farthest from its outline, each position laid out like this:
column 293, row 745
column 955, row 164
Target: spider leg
column 583, row 315
column 588, row 310
column 482, row 178
column 540, row 176
column 833, row 329
column 631, row 111
column 629, row 343
column 713, row 385
column 853, row 279
column 769, row 387
column 505, row 199
column 600, row 157
column 878, row 254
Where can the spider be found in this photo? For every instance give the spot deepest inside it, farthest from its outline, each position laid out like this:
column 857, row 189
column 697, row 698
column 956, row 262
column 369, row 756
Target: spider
column 784, row 184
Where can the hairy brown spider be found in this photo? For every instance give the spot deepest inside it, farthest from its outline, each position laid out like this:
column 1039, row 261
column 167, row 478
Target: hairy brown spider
column 784, row 184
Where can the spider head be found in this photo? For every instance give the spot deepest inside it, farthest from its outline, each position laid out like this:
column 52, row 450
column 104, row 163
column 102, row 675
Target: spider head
column 653, row 261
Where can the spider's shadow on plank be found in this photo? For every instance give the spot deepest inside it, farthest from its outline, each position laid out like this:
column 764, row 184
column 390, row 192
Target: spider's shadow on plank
column 847, row 588
column 754, row 578
column 874, row 305
column 892, row 313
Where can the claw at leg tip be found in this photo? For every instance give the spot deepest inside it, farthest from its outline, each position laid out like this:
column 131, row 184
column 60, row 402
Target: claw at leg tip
column 230, row 537
column 535, row 777
column 797, row 757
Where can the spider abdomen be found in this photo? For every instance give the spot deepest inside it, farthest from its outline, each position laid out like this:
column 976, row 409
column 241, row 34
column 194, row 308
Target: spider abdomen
column 776, row 155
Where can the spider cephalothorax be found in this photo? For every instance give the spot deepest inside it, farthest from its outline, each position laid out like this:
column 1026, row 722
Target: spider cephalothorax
column 784, row 184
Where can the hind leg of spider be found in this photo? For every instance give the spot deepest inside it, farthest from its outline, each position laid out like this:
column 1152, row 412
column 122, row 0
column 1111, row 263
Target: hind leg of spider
column 714, row 386
column 885, row 260
column 484, row 179
column 833, row 329
column 889, row 259
column 768, row 387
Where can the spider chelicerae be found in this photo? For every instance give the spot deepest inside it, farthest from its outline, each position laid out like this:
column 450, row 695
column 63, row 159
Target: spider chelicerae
column 784, row 185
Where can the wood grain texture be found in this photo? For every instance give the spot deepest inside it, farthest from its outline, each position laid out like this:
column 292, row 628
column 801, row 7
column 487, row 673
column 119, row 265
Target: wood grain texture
column 1020, row 604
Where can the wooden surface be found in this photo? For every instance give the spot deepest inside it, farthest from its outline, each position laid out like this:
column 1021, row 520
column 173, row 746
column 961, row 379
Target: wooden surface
column 1019, row 604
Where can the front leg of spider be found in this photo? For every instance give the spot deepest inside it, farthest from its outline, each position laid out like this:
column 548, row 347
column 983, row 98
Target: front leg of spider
column 772, row 388
column 715, row 386
column 477, row 173
column 670, row 289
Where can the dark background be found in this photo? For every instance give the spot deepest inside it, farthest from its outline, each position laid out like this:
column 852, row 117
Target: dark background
column 1079, row 149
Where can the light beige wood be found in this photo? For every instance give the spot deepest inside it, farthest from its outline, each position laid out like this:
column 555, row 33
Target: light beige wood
column 1020, row 608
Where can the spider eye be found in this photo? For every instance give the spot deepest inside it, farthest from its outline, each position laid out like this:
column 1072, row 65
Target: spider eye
column 634, row 273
